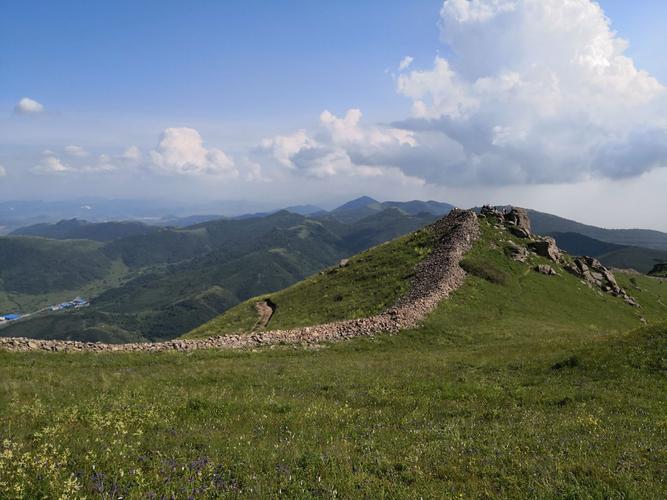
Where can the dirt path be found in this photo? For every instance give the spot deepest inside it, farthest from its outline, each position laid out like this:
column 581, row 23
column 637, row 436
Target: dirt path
column 435, row 279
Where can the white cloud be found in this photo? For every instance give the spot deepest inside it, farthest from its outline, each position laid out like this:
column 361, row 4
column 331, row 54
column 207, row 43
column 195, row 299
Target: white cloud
column 76, row 151
column 132, row 154
column 51, row 164
column 341, row 146
column 284, row 147
column 181, row 151
column 27, row 106
column 3, row 171
column 536, row 91
column 405, row 63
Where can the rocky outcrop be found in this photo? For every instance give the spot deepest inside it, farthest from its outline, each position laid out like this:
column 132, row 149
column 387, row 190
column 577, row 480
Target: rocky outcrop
column 546, row 247
column 515, row 219
column 592, row 272
column 518, row 222
column 435, row 278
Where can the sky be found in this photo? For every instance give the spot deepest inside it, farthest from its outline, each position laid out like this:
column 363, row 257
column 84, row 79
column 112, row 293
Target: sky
column 559, row 105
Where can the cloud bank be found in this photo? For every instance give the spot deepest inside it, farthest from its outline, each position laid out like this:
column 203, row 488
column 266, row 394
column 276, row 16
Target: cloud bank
column 536, row 91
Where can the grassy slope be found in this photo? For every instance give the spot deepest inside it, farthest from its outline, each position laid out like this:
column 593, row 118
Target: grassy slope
column 371, row 282
column 37, row 272
column 531, row 388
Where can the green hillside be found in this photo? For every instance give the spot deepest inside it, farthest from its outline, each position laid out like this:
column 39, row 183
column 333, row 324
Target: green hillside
column 75, row 229
column 610, row 254
column 645, row 238
column 659, row 270
column 172, row 280
column 374, row 279
column 368, row 284
column 520, row 385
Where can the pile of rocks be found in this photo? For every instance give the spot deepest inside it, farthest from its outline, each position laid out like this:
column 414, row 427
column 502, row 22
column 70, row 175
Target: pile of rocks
column 593, row 273
column 435, row 278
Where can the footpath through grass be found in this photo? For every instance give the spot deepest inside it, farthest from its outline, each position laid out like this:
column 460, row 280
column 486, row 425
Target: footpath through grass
column 530, row 387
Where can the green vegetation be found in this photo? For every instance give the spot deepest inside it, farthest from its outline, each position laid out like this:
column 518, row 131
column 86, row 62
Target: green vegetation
column 116, row 275
column 659, row 270
column 35, row 270
column 174, row 280
column 370, row 282
column 610, row 254
column 75, row 229
column 645, row 238
column 533, row 387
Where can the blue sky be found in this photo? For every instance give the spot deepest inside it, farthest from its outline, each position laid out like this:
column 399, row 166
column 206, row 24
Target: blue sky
column 111, row 75
column 245, row 60
column 249, row 60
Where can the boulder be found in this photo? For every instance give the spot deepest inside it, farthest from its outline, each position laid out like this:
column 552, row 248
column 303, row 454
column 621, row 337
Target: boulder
column 546, row 247
column 518, row 222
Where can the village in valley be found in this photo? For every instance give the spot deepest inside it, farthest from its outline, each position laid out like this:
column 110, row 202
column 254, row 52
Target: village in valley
column 75, row 303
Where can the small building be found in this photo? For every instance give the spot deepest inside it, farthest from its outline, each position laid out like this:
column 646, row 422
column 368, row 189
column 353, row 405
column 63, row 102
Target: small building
column 12, row 317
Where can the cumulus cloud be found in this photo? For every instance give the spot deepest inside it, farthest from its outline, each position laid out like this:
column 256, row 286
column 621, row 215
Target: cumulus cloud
column 535, row 91
column 27, row 106
column 51, row 164
column 341, row 146
column 181, row 151
column 76, row 151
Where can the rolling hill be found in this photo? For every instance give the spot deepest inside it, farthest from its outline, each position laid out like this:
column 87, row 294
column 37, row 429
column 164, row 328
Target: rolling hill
column 360, row 208
column 75, row 229
column 519, row 385
column 546, row 224
column 176, row 279
column 610, row 254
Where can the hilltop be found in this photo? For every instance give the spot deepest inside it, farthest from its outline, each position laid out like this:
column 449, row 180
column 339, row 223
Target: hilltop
column 523, row 383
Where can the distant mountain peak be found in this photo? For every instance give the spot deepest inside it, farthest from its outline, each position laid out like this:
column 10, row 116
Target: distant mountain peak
column 360, row 202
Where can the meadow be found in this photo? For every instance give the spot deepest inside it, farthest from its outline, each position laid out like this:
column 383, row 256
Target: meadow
column 528, row 386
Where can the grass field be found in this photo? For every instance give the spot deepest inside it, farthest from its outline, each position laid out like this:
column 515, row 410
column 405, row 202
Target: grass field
column 528, row 386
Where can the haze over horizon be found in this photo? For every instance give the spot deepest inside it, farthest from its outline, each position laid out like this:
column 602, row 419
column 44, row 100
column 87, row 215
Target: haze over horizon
column 533, row 103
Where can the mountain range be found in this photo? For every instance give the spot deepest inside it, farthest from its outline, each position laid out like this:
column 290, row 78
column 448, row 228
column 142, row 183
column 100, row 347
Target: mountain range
column 157, row 283
column 151, row 283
